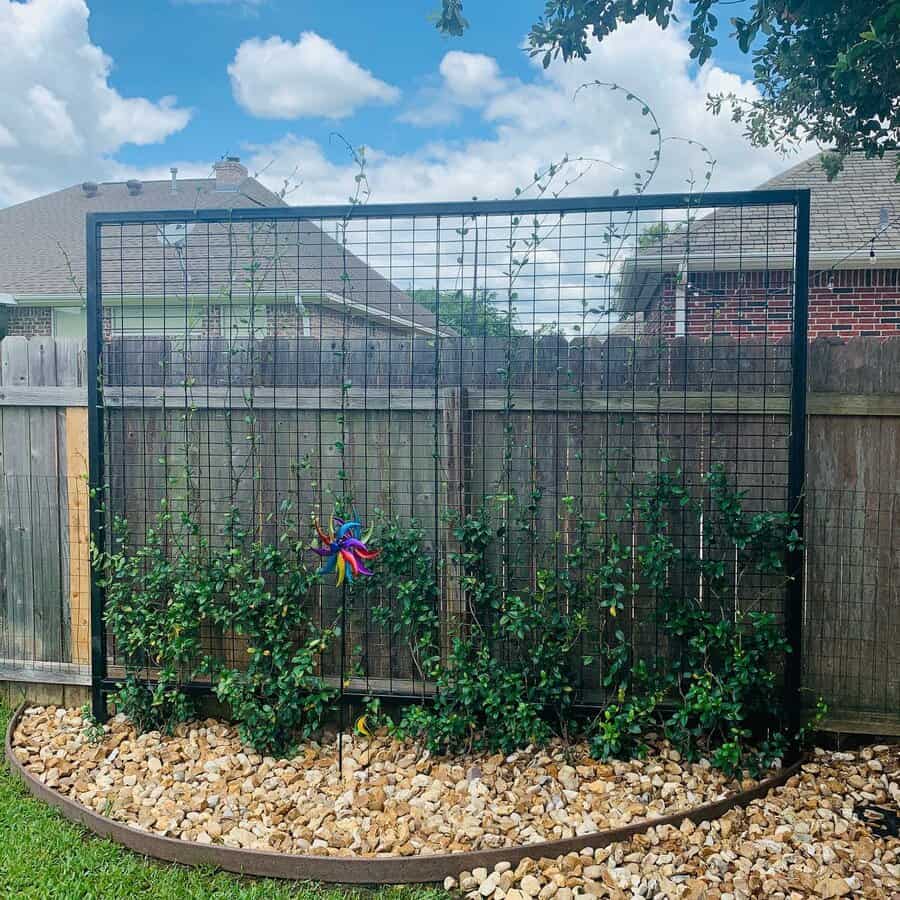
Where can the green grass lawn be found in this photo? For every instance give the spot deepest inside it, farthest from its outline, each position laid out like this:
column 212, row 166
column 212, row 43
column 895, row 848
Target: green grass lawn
column 42, row 856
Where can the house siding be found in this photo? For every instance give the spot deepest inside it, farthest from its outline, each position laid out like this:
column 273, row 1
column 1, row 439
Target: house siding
column 842, row 304
column 287, row 321
column 280, row 321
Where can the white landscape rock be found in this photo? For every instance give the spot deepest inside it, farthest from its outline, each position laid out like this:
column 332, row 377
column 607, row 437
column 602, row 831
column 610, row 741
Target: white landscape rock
column 201, row 784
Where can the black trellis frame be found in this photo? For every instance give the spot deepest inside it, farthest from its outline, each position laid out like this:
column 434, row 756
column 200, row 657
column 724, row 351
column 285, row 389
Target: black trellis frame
column 798, row 200
column 793, row 677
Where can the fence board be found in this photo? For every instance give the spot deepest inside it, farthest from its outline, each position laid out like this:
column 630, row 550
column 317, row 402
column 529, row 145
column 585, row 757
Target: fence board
column 704, row 401
column 39, row 376
column 18, row 527
column 77, row 502
column 852, row 616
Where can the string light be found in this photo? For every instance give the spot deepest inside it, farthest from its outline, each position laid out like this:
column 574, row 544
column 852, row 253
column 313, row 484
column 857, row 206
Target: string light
column 885, row 222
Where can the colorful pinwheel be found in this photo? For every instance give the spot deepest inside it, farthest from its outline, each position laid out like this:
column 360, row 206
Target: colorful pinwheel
column 344, row 550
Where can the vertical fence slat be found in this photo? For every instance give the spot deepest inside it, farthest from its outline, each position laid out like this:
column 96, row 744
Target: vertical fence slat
column 49, row 599
column 19, row 530
column 79, row 535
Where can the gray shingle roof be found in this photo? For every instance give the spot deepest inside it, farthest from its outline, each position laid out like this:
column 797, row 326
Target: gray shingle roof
column 137, row 261
column 31, row 233
column 844, row 213
column 845, row 221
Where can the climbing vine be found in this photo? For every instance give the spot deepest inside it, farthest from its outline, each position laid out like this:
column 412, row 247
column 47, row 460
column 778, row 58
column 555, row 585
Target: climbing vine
column 510, row 677
column 161, row 604
column 510, row 672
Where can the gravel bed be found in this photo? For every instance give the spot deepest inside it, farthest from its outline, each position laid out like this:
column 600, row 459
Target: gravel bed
column 201, row 784
column 802, row 840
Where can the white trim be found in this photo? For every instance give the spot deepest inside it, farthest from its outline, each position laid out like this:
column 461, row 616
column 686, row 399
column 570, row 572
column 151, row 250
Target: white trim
column 155, row 320
column 681, row 302
column 47, row 299
column 733, row 262
column 336, row 300
column 329, row 298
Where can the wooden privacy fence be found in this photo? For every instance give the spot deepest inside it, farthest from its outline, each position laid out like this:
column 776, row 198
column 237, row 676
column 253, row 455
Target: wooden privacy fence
column 708, row 400
column 852, row 605
column 539, row 430
column 44, row 527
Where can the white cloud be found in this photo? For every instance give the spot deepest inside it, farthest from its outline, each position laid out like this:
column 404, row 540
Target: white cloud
column 277, row 79
column 139, row 121
column 51, row 124
column 527, row 123
column 431, row 108
column 470, row 77
column 466, row 80
column 60, row 120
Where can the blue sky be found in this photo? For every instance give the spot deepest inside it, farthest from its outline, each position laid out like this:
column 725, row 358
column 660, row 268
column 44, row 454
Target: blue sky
column 119, row 89
column 395, row 40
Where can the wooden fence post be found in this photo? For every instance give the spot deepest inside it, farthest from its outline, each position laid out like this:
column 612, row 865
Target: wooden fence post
column 79, row 535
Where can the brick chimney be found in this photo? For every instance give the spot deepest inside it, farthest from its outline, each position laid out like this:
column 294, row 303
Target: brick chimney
column 230, row 174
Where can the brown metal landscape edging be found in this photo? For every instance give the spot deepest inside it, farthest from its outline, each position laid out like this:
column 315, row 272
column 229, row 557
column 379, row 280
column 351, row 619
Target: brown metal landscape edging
column 359, row 870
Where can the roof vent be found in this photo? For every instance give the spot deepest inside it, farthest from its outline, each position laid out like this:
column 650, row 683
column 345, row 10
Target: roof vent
column 134, row 186
column 230, row 174
column 174, row 171
column 90, row 188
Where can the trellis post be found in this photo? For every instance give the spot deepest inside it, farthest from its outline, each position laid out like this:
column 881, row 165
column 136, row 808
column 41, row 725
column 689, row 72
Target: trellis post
column 793, row 620
column 95, row 458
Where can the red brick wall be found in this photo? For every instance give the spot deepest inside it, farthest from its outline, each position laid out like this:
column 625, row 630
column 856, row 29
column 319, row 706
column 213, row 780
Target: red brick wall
column 848, row 303
column 857, row 302
column 29, row 321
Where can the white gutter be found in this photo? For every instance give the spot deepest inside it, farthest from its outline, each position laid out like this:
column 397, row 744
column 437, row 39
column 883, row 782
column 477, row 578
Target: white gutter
column 743, row 261
column 373, row 313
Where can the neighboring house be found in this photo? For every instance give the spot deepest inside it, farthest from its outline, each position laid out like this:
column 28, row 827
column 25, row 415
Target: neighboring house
column 731, row 271
column 284, row 278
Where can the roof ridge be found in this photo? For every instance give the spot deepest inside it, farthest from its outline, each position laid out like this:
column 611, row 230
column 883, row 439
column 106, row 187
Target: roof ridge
column 156, row 180
column 250, row 182
column 781, row 176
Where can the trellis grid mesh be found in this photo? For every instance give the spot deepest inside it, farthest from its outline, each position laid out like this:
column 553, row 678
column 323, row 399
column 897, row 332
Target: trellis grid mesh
column 540, row 361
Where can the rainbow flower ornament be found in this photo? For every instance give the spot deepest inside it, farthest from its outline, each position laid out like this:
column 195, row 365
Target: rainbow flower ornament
column 344, row 550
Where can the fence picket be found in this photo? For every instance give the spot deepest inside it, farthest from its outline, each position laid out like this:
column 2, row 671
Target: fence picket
column 852, row 611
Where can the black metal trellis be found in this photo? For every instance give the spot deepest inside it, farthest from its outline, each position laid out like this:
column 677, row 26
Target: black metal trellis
column 540, row 356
